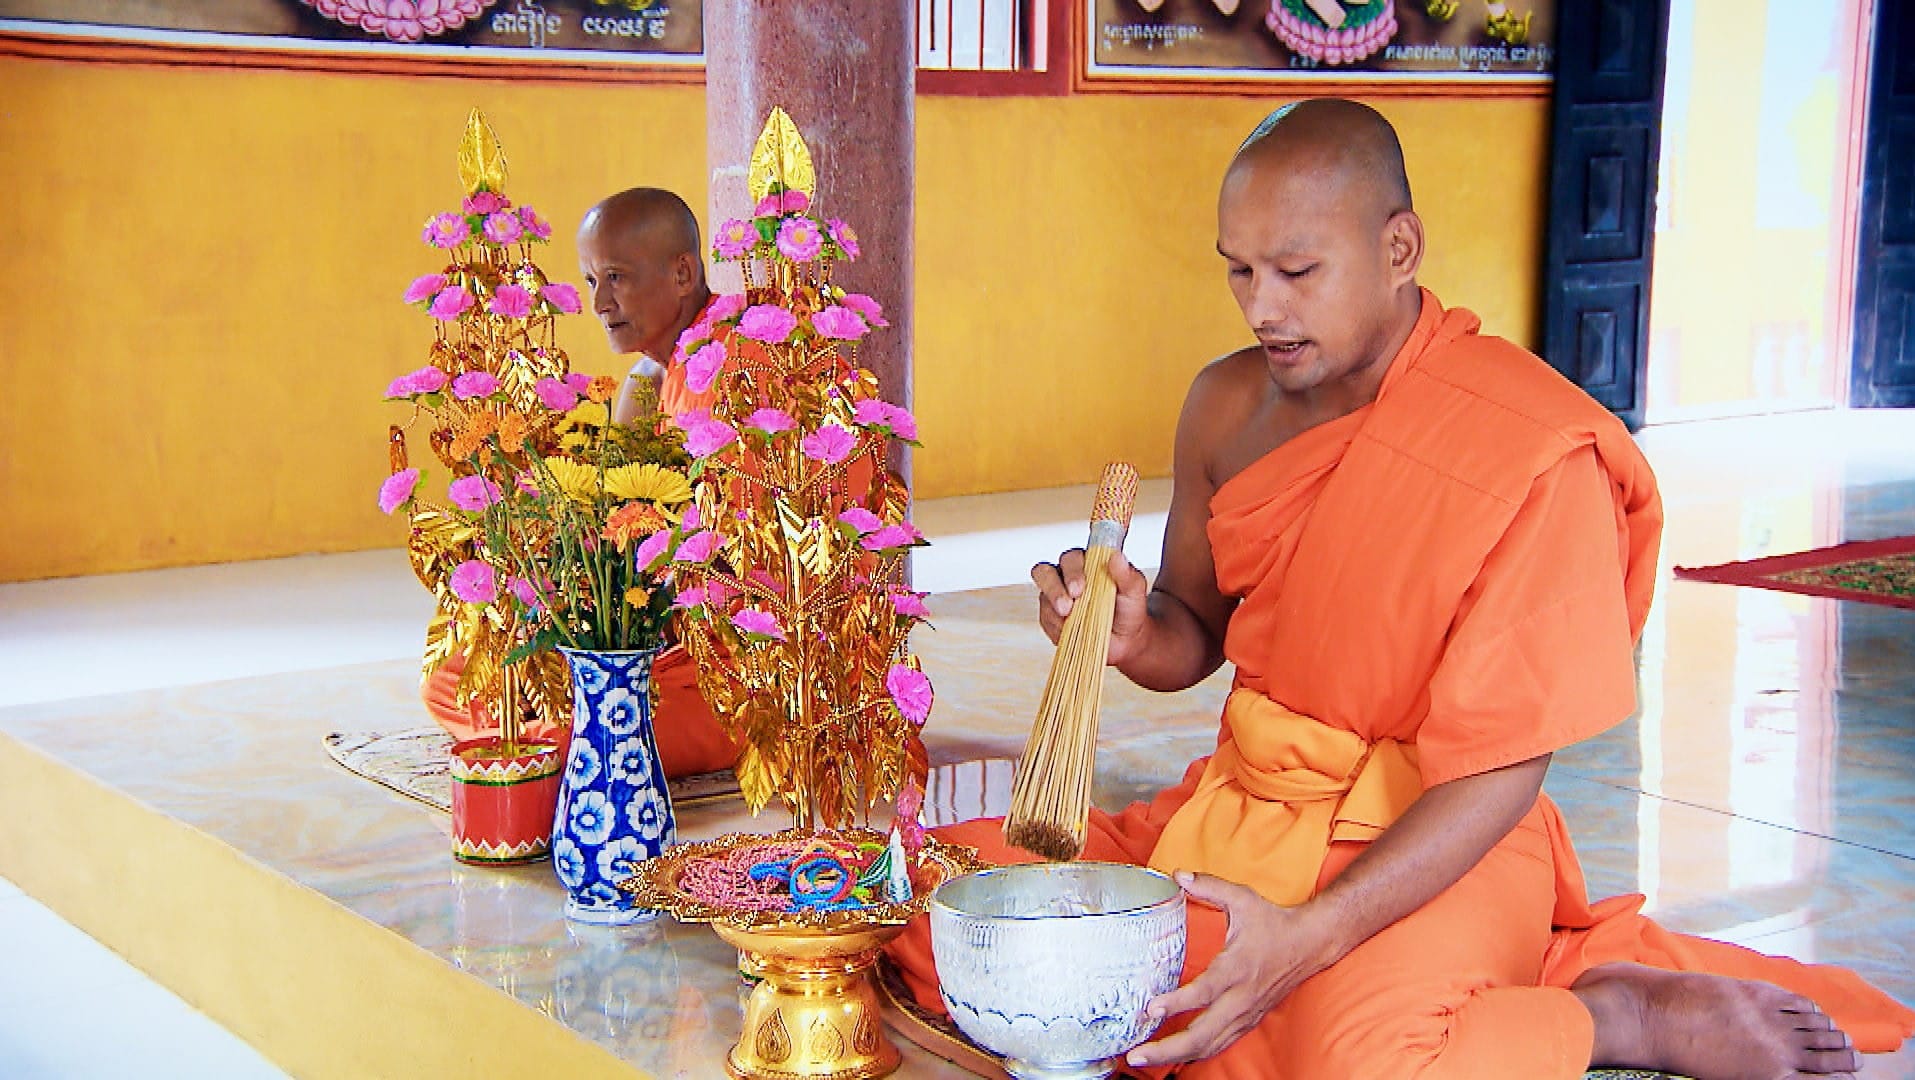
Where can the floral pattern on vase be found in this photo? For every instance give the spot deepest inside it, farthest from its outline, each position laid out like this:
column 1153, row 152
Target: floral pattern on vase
column 614, row 810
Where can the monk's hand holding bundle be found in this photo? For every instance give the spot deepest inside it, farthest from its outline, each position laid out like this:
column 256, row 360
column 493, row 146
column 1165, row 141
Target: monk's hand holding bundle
column 1268, row 952
column 1059, row 584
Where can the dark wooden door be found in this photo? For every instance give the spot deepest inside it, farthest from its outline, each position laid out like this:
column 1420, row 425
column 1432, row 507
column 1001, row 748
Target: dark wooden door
column 1883, row 372
column 1606, row 136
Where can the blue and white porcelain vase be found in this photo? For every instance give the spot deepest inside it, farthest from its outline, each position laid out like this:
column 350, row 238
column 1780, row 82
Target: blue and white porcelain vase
column 614, row 810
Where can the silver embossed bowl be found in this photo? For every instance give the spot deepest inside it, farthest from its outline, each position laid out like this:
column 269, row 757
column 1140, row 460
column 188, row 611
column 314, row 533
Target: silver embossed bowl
column 1050, row 965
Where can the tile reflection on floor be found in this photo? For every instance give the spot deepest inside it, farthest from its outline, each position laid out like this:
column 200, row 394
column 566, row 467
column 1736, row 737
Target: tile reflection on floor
column 1763, row 793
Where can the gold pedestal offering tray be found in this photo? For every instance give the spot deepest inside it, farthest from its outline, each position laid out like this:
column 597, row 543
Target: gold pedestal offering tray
column 814, row 1013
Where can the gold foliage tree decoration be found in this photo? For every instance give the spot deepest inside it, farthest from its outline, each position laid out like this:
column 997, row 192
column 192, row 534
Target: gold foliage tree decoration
column 790, row 565
column 485, row 404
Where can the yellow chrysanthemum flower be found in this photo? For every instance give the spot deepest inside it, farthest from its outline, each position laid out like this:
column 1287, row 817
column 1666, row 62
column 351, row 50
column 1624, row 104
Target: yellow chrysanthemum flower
column 653, row 483
column 575, row 480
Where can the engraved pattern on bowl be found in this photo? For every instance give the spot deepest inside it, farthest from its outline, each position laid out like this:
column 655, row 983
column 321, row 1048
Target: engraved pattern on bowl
column 1050, row 965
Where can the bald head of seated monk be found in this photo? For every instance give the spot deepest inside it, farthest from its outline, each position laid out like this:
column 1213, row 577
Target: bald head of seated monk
column 644, row 271
column 1428, row 557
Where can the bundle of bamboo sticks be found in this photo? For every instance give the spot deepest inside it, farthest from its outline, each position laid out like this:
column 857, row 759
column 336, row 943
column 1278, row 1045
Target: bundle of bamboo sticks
column 1050, row 795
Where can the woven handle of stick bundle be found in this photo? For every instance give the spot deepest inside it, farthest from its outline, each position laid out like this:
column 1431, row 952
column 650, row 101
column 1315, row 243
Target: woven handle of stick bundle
column 1110, row 512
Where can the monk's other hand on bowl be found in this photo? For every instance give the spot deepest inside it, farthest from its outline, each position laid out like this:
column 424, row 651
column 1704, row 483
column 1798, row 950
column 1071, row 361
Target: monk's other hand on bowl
column 1268, row 951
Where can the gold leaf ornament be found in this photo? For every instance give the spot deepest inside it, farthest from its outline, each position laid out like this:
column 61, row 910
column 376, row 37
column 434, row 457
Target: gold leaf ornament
column 781, row 160
column 481, row 158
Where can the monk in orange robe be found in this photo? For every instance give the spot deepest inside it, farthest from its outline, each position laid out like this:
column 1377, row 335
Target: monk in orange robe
column 644, row 271
column 645, row 279
column 1429, row 557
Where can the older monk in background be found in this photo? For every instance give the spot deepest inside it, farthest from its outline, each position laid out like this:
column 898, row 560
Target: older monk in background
column 644, row 276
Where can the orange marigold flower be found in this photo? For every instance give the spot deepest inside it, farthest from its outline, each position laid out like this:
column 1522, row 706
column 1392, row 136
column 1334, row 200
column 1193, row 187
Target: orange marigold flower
column 638, row 597
column 467, row 441
column 631, row 521
column 601, row 389
column 512, row 433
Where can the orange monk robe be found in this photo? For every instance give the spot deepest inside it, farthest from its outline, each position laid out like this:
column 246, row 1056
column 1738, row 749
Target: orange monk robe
column 689, row 739
column 1443, row 583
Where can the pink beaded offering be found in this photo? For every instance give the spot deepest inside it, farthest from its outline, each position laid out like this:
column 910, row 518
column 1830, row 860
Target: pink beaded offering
column 820, row 874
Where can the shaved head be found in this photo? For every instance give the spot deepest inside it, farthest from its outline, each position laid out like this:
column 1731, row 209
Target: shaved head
column 1346, row 143
column 643, row 218
column 1322, row 246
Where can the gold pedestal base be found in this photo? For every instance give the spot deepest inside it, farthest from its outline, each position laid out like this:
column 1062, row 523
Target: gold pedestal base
column 813, row 1013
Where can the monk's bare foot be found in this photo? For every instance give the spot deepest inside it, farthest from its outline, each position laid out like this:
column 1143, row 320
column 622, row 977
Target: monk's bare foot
column 1709, row 1027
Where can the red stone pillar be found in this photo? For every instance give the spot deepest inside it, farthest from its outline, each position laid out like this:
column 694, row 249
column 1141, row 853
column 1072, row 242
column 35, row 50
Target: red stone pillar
column 844, row 70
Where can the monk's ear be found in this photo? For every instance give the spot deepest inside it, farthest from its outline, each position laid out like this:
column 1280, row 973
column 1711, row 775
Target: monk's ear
column 685, row 272
column 1403, row 236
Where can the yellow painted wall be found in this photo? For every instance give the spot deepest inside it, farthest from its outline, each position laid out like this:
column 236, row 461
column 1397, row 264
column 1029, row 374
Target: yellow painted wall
column 204, row 268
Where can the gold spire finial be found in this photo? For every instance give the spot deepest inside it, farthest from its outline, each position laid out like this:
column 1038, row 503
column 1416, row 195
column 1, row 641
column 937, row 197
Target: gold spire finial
column 781, row 159
column 481, row 158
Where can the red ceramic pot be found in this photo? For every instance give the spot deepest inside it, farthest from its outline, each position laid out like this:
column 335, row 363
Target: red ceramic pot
column 502, row 802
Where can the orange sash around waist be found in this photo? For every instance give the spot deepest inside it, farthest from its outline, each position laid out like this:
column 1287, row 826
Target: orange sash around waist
column 1279, row 790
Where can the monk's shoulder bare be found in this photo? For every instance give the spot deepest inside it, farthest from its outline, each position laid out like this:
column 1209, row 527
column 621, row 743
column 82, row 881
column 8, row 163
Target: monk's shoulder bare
column 1230, row 388
column 1225, row 400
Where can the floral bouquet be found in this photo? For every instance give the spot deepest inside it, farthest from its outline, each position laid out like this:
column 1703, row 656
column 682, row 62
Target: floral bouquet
column 790, row 561
column 531, row 545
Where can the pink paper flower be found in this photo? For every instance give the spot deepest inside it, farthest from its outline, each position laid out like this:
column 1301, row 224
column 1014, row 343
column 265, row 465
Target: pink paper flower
column 705, row 436
column 873, row 313
column 769, row 206
column 561, row 296
column 397, row 490
column 527, row 594
column 447, row 230
column 650, row 548
column 691, row 338
column 424, row 288
column 579, row 381
column 474, row 582
column 876, row 412
column 556, row 395
column 844, row 237
column 475, row 384
column 800, row 239
column 862, row 520
column 511, row 301
column 829, row 444
column 756, row 623
column 701, row 367
column 536, row 226
column 839, row 322
column 770, row 421
column 485, row 202
column 691, row 519
column 717, row 593
column 503, row 228
column 426, row 380
column 696, row 548
column 768, row 323
column 452, row 302
column 911, row 691
column 795, row 202
column 474, row 493
column 891, row 536
column 735, row 239
column 689, row 598
column 910, row 604
column 724, row 307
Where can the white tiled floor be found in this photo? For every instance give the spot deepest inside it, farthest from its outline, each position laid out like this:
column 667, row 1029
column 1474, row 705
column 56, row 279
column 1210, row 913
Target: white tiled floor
column 97, row 1017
